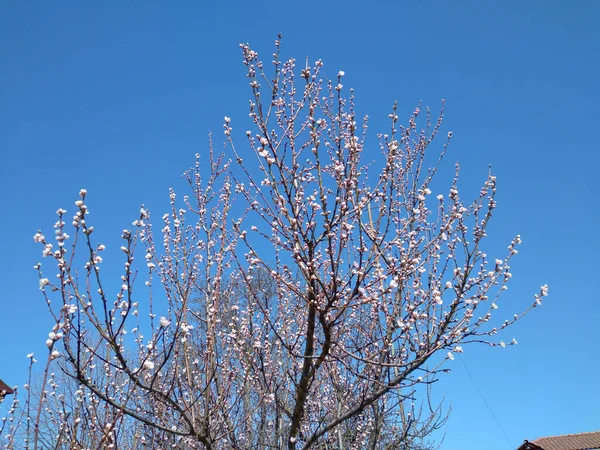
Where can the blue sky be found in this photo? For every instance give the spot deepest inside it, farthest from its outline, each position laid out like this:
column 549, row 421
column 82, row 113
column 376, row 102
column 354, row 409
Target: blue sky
column 117, row 97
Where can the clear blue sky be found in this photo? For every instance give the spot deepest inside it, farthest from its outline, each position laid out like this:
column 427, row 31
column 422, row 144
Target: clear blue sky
column 116, row 97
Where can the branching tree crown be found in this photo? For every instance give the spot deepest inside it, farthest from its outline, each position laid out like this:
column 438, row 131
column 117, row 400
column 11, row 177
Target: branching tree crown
column 297, row 298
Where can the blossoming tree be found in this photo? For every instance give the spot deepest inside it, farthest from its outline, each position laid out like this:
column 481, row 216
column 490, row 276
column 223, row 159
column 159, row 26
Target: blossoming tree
column 298, row 297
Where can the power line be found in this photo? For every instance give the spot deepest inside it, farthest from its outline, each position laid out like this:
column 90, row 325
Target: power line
column 486, row 403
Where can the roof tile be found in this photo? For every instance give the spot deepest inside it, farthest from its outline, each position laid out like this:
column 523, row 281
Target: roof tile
column 580, row 441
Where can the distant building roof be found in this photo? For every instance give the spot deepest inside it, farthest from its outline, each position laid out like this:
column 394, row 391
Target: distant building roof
column 579, row 441
column 5, row 389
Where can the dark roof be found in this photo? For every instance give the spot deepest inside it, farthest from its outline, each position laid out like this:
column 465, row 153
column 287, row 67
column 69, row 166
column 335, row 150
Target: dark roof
column 529, row 446
column 579, row 441
column 5, row 389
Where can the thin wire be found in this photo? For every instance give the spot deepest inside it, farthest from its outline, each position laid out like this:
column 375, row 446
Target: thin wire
column 485, row 401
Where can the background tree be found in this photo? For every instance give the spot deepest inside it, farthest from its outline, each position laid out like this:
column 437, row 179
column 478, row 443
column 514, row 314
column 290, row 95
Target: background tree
column 302, row 295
